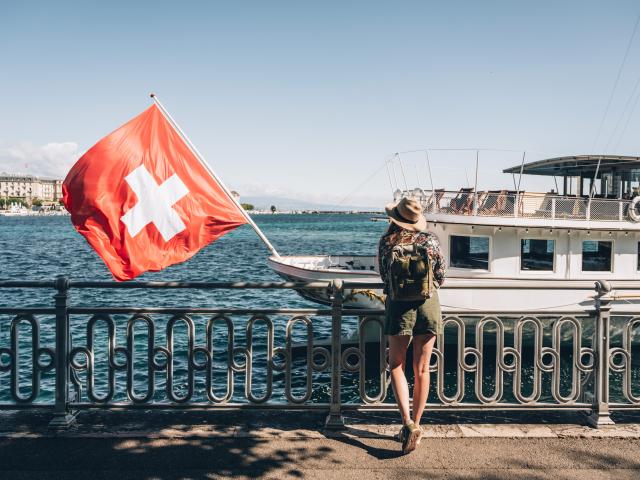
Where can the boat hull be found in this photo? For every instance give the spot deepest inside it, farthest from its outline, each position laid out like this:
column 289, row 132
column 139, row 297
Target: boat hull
column 466, row 298
column 458, row 294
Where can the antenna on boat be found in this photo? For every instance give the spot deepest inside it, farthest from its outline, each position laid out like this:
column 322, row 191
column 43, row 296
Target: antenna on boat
column 386, row 163
column 404, row 177
column 475, row 187
column 415, row 166
column 429, row 168
column 433, row 190
column 592, row 190
column 204, row 163
column 524, row 155
column 395, row 178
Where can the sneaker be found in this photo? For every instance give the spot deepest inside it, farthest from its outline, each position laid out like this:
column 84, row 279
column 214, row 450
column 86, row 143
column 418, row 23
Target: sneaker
column 410, row 436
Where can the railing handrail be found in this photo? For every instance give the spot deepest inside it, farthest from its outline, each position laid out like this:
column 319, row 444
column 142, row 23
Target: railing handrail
column 586, row 198
column 481, row 284
column 529, row 205
column 593, row 360
column 166, row 284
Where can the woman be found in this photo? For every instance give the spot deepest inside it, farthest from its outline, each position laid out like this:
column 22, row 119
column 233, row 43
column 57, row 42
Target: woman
column 417, row 319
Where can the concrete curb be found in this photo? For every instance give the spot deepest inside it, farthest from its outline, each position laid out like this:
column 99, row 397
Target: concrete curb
column 353, row 431
column 278, row 425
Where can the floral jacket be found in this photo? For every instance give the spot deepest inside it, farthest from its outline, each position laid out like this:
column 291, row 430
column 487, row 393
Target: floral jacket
column 399, row 236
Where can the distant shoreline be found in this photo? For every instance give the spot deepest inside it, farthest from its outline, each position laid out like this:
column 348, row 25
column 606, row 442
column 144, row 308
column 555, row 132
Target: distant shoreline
column 316, row 212
column 250, row 212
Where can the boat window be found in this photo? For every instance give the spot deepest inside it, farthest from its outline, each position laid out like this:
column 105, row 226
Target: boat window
column 469, row 252
column 537, row 255
column 596, row 256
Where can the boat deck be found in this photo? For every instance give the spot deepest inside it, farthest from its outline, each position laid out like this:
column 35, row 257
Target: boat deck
column 524, row 205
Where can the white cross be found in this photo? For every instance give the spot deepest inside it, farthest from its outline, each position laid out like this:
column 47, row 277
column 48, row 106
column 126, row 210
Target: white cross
column 155, row 204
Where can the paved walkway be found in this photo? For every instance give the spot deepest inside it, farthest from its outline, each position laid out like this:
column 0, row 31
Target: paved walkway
column 204, row 445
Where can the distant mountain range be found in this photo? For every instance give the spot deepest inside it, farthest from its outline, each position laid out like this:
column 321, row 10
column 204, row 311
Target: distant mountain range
column 282, row 203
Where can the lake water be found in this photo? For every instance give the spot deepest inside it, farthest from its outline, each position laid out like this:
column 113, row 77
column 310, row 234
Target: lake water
column 33, row 248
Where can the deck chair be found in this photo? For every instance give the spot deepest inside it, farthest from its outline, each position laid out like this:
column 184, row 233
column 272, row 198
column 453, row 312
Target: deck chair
column 493, row 203
column 462, row 203
column 434, row 200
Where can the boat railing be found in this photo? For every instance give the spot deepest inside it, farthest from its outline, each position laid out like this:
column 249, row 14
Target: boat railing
column 513, row 204
column 66, row 356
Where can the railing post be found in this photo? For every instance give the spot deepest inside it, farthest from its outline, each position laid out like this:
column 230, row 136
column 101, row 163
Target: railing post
column 335, row 421
column 620, row 210
column 62, row 417
column 600, row 410
column 553, row 208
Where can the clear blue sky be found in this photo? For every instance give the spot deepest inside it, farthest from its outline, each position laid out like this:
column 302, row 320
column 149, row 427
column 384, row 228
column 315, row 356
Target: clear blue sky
column 308, row 99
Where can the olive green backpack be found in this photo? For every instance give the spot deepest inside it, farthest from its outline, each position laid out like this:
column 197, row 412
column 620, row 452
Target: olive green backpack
column 410, row 273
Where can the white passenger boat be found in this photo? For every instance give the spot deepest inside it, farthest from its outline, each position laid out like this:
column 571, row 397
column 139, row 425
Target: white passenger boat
column 499, row 243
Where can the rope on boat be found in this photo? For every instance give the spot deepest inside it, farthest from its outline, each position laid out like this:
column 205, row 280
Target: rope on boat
column 365, row 181
column 615, row 84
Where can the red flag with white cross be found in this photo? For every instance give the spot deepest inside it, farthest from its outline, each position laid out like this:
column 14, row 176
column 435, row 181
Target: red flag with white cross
column 144, row 200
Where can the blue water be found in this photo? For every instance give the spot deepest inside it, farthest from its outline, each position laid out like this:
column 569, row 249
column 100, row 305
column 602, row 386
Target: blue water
column 34, row 248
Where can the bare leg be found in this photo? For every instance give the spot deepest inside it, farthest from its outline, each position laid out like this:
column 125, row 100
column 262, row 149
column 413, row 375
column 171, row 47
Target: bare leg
column 422, row 348
column 397, row 359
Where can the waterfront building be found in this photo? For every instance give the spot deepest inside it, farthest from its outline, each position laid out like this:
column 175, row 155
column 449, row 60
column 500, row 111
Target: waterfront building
column 29, row 188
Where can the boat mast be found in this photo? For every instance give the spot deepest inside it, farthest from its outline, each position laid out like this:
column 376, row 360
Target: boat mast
column 404, row 177
column 204, row 163
column 475, row 187
column 524, row 154
column 430, row 174
column 386, row 162
column 433, row 190
column 592, row 190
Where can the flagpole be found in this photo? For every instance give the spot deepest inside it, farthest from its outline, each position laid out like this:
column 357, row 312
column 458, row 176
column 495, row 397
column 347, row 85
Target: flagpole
column 213, row 174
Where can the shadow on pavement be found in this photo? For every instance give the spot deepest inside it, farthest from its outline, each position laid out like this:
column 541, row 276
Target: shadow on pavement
column 157, row 445
column 351, row 436
column 151, row 458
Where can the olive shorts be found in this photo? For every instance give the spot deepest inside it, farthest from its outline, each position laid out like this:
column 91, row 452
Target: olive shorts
column 413, row 317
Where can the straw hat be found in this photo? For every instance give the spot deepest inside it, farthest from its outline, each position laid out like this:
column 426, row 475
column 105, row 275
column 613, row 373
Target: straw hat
column 407, row 213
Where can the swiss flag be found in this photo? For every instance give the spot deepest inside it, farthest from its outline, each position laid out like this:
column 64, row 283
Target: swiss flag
column 144, row 201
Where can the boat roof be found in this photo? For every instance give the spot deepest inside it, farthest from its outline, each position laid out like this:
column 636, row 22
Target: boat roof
column 578, row 165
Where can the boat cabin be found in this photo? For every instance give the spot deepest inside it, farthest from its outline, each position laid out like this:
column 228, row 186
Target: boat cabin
column 595, row 176
column 589, row 231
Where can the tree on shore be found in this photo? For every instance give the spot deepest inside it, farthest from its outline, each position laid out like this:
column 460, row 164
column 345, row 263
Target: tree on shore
column 273, row 209
column 247, row 206
column 6, row 202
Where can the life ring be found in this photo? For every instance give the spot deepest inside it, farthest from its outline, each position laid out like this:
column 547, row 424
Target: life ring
column 633, row 212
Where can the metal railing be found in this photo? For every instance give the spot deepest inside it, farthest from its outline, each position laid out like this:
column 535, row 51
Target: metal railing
column 50, row 357
column 511, row 204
